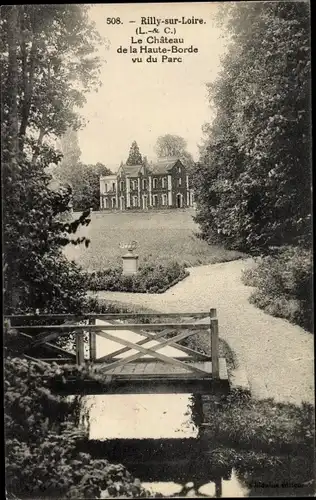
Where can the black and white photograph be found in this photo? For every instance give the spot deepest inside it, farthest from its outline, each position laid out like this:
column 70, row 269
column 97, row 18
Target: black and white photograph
column 157, row 258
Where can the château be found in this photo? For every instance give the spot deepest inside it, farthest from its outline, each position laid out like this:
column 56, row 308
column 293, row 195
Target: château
column 162, row 185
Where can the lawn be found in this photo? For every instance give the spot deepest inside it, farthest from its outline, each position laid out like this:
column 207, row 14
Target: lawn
column 161, row 237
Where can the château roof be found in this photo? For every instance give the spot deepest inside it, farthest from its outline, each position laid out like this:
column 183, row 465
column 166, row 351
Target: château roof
column 163, row 166
column 132, row 170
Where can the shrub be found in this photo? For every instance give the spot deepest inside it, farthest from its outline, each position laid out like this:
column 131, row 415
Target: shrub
column 42, row 435
column 284, row 285
column 151, row 278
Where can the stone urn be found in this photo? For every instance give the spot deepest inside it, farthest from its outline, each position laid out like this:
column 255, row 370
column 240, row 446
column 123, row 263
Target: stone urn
column 130, row 260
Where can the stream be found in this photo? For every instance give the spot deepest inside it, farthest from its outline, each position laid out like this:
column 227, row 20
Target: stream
column 156, row 436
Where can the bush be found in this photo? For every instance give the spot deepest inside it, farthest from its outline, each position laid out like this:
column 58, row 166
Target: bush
column 151, row 278
column 42, row 436
column 284, row 285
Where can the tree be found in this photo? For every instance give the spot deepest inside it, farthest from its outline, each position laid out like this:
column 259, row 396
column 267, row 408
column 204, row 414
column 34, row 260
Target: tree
column 48, row 63
column 134, row 157
column 253, row 181
column 68, row 171
column 145, row 161
column 86, row 192
column 43, row 430
column 174, row 146
column 83, row 179
column 69, row 146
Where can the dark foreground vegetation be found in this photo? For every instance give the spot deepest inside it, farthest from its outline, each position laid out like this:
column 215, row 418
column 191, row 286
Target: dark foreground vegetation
column 42, row 435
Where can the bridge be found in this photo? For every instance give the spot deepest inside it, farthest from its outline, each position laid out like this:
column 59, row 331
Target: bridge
column 147, row 357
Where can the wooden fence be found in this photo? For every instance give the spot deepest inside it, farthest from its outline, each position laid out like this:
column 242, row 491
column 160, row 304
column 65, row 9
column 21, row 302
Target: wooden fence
column 44, row 334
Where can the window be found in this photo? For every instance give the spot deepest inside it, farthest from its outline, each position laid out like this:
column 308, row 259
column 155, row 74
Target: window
column 163, row 182
column 113, row 186
column 105, row 203
column 164, row 199
column 155, row 183
column 113, row 202
column 180, row 181
column 144, row 184
column 105, row 187
column 134, row 185
column 122, row 186
column 135, row 201
column 179, row 170
column 155, row 200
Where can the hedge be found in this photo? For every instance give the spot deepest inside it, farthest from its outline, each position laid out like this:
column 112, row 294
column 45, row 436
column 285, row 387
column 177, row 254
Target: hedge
column 151, row 278
column 283, row 284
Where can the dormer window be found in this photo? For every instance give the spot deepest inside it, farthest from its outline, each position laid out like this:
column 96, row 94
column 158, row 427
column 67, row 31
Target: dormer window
column 179, row 170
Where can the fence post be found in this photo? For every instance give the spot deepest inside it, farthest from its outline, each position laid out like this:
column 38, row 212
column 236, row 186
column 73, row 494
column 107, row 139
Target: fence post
column 214, row 344
column 218, row 487
column 80, row 348
column 92, row 342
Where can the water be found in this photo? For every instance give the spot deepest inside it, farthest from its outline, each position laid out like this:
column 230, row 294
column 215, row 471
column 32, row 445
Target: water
column 156, row 436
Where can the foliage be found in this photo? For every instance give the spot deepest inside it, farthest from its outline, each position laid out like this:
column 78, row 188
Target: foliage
column 34, row 234
column 48, row 63
column 83, row 179
column 174, row 146
column 86, row 185
column 284, row 285
column 150, row 278
column 253, row 182
column 42, row 433
column 53, row 50
column 134, row 157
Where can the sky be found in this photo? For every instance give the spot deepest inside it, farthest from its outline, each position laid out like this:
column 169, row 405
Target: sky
column 141, row 101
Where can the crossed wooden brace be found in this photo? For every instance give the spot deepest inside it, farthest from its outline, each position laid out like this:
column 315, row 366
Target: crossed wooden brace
column 151, row 352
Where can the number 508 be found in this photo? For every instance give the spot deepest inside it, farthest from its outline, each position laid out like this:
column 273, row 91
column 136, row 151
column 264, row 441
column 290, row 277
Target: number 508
column 113, row 20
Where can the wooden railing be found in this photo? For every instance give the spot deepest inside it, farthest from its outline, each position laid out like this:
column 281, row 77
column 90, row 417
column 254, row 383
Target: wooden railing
column 48, row 333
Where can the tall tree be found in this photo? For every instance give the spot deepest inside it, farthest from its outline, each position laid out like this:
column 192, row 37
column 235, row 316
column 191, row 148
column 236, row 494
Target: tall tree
column 68, row 170
column 174, row 146
column 86, row 193
column 48, row 62
column 145, row 161
column 134, row 157
column 83, row 179
column 69, row 146
column 253, row 184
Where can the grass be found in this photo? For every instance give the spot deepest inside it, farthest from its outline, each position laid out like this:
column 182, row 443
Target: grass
column 161, row 237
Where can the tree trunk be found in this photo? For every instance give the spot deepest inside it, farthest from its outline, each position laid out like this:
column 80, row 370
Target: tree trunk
column 13, row 134
column 13, row 81
column 28, row 83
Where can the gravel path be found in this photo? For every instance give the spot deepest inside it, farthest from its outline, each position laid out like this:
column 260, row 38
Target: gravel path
column 277, row 356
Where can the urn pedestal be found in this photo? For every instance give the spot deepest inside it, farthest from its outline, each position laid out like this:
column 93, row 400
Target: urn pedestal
column 130, row 264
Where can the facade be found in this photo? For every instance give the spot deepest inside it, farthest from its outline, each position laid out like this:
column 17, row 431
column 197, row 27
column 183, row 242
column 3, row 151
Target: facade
column 164, row 184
